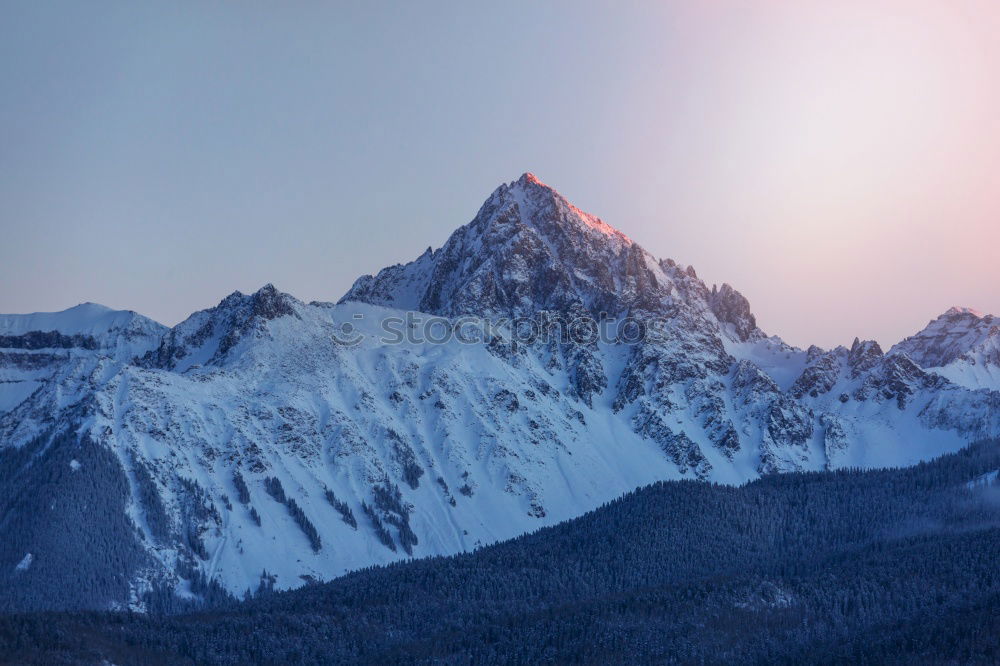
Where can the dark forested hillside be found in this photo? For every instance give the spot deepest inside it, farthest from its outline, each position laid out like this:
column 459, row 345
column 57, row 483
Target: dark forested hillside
column 875, row 566
column 48, row 506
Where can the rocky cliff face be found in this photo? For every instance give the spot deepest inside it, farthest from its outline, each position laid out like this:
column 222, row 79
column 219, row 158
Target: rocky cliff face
column 310, row 439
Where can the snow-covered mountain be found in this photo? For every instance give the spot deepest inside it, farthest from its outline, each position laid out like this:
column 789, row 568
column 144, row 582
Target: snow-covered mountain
column 537, row 365
column 962, row 345
column 34, row 347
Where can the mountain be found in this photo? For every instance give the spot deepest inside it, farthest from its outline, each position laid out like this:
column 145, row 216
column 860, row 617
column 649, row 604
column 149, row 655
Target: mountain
column 962, row 345
column 537, row 365
column 34, row 347
column 878, row 566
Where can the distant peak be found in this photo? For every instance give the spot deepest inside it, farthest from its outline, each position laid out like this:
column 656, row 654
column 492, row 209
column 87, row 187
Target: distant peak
column 956, row 310
column 267, row 291
column 528, row 178
column 267, row 302
column 864, row 355
column 865, row 347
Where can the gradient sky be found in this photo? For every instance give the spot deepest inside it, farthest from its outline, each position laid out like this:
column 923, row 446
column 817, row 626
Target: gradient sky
column 837, row 162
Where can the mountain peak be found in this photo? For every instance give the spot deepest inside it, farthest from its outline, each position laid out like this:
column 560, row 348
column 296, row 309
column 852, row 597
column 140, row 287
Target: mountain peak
column 956, row 310
column 90, row 306
column 208, row 335
column 270, row 303
column 953, row 335
column 527, row 249
column 528, row 178
column 85, row 318
column 864, row 355
column 540, row 202
column 267, row 302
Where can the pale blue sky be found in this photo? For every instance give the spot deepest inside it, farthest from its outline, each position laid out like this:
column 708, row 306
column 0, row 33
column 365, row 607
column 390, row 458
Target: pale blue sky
column 835, row 165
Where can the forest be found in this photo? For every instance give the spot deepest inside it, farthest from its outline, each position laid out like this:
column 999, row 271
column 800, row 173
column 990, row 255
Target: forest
column 877, row 566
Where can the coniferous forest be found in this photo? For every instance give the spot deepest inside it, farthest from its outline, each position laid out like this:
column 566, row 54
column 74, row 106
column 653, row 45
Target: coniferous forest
column 883, row 566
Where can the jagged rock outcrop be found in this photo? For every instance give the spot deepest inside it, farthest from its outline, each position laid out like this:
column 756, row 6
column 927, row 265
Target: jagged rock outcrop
column 821, row 373
column 732, row 308
column 863, row 356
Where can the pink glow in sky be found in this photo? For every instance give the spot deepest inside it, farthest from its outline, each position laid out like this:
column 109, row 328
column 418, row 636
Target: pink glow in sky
column 837, row 162
column 842, row 162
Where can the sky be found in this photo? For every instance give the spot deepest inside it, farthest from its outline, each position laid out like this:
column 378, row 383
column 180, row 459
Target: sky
column 838, row 163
